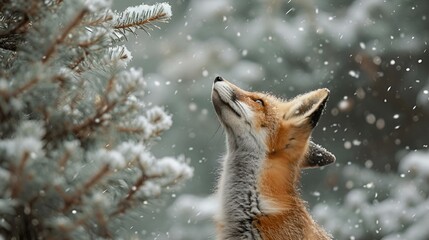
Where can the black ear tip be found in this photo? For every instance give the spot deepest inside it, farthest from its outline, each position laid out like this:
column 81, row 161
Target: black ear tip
column 329, row 157
column 318, row 156
column 323, row 159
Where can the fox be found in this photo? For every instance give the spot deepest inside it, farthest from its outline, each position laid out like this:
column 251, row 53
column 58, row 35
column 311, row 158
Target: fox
column 267, row 144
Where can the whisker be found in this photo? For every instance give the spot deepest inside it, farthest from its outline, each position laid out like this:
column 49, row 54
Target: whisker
column 214, row 134
column 241, row 107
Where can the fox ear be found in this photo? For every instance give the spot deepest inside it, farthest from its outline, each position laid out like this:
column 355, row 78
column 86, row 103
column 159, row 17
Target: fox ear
column 308, row 107
column 317, row 156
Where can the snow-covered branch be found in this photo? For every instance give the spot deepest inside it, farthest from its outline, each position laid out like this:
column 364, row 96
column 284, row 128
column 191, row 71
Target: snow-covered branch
column 76, row 133
column 141, row 17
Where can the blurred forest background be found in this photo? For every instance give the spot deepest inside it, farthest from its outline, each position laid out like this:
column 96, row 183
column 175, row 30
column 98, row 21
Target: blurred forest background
column 372, row 55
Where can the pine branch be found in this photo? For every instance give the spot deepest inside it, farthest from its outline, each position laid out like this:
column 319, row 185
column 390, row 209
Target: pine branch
column 69, row 201
column 87, row 125
column 102, row 110
column 124, row 204
column 94, row 120
column 141, row 17
column 50, row 67
column 63, row 35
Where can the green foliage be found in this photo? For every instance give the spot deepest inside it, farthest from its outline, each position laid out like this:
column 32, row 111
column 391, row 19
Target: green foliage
column 75, row 132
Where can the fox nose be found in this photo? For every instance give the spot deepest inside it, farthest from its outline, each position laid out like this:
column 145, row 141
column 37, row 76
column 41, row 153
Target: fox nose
column 218, row 79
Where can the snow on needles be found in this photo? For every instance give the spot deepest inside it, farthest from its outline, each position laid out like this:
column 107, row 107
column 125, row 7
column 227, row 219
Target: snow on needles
column 28, row 140
column 141, row 17
column 159, row 119
column 166, row 9
column 162, row 173
column 111, row 157
column 174, row 168
column 160, row 7
column 76, row 129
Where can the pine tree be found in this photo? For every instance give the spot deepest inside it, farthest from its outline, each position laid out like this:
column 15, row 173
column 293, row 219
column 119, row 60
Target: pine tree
column 75, row 132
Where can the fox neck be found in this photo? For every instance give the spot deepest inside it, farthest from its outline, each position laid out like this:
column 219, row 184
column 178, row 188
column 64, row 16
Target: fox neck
column 238, row 186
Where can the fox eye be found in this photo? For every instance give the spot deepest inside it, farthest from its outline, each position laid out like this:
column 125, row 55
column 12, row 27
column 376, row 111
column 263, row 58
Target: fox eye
column 260, row 102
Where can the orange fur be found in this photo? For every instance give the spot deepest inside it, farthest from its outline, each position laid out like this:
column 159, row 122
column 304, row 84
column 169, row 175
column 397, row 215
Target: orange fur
column 286, row 127
column 278, row 183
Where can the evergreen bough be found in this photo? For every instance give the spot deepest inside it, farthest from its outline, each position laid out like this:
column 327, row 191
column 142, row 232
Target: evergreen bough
column 75, row 132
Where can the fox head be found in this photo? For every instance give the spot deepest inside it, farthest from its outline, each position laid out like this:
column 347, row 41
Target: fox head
column 254, row 119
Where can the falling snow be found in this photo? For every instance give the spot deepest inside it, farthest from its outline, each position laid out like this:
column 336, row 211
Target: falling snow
column 371, row 56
